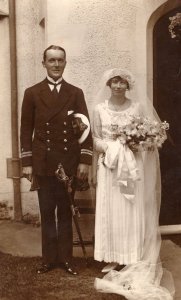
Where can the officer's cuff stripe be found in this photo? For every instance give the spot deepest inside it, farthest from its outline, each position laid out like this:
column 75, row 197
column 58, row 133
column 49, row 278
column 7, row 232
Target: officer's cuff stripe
column 85, row 151
column 26, row 154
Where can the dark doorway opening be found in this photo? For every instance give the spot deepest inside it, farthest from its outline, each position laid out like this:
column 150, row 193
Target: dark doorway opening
column 167, row 101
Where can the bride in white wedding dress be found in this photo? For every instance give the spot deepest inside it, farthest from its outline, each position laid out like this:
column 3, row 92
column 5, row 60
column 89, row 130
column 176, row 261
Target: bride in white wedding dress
column 127, row 199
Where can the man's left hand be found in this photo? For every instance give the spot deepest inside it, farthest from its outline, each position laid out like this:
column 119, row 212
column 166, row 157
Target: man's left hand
column 82, row 171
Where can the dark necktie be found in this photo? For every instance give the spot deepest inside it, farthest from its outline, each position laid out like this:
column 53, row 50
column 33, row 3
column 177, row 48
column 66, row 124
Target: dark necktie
column 54, row 91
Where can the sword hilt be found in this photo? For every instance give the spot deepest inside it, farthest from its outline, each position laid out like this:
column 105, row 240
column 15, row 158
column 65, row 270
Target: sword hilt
column 60, row 174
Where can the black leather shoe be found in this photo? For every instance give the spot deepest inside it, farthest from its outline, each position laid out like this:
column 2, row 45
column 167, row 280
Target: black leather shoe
column 69, row 269
column 44, row 268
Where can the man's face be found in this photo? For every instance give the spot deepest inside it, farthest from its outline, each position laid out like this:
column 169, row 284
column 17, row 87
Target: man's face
column 54, row 63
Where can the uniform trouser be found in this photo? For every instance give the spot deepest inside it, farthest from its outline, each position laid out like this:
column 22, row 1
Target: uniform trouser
column 56, row 221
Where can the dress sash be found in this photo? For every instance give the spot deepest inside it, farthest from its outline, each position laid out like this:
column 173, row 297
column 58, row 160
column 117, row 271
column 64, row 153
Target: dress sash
column 120, row 156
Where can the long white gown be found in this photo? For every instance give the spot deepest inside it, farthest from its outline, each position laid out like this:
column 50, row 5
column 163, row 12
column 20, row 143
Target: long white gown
column 126, row 223
column 119, row 227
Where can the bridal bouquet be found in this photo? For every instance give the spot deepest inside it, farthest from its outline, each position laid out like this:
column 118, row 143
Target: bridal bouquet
column 141, row 132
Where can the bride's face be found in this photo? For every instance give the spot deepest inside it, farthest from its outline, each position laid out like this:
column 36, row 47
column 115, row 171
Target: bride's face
column 118, row 85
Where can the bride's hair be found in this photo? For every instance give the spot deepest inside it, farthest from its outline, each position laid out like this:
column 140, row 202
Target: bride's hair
column 108, row 83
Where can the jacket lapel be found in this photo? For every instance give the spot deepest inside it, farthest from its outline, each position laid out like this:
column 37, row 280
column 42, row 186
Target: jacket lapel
column 54, row 106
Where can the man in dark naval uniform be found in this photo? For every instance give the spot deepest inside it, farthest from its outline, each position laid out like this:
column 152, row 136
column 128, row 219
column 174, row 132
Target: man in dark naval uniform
column 48, row 138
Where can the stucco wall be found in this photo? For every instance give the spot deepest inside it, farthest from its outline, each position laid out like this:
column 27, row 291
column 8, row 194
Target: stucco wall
column 6, row 188
column 97, row 35
column 30, row 45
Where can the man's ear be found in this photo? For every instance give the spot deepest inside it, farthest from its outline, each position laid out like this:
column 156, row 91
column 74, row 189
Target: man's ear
column 43, row 63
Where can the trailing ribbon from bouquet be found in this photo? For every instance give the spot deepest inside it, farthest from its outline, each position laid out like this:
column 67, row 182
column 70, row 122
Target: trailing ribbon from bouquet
column 120, row 156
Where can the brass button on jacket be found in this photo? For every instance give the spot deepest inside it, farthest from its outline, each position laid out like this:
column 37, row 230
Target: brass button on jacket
column 52, row 122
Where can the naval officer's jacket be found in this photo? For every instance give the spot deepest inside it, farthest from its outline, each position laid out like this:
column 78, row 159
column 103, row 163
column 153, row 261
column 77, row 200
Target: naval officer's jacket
column 47, row 135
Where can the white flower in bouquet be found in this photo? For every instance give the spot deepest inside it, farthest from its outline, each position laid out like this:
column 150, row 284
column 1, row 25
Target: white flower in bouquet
column 141, row 133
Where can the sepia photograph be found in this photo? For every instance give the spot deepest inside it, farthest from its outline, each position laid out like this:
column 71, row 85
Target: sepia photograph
column 90, row 149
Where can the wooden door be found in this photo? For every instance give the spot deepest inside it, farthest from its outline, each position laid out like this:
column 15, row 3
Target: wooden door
column 167, row 101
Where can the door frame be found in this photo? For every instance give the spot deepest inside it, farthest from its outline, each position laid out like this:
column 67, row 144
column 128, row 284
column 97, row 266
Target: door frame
column 156, row 15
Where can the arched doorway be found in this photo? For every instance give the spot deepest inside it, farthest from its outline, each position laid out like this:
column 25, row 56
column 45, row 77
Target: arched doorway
column 167, row 101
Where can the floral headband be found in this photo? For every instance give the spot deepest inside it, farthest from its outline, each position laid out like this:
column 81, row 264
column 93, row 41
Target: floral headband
column 123, row 73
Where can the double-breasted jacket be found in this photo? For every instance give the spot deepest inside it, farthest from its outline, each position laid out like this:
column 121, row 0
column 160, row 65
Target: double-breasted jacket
column 47, row 135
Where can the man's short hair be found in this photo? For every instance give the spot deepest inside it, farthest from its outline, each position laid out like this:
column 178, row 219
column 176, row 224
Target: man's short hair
column 55, row 48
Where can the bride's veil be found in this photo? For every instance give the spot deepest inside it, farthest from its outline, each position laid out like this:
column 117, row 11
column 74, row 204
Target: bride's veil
column 146, row 279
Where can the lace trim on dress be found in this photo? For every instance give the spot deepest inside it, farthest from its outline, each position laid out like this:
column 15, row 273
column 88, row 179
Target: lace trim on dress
column 124, row 111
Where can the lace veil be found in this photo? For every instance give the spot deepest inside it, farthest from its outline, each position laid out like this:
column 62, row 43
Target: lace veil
column 146, row 279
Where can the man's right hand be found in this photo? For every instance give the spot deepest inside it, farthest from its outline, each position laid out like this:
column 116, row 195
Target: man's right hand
column 27, row 172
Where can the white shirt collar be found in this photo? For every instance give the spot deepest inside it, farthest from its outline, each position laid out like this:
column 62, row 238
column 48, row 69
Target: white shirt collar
column 55, row 82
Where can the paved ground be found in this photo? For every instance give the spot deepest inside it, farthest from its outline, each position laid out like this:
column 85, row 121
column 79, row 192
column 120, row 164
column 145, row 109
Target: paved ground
column 24, row 240
column 21, row 239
